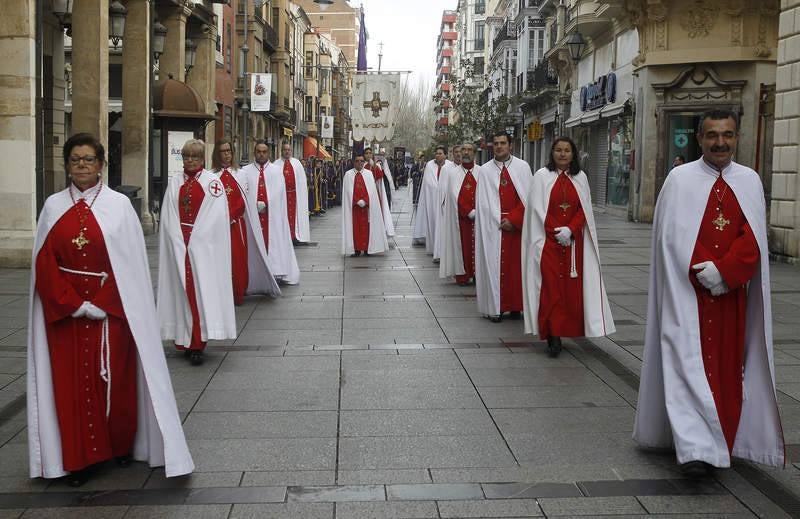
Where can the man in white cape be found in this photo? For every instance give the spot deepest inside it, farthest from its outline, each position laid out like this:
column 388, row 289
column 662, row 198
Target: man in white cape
column 441, row 193
column 681, row 401
column 502, row 191
column 378, row 173
column 453, row 226
column 296, row 188
column 260, row 181
column 427, row 215
column 371, row 240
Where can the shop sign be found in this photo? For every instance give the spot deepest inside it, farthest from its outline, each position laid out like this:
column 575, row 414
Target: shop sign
column 598, row 94
column 535, row 131
column 682, row 136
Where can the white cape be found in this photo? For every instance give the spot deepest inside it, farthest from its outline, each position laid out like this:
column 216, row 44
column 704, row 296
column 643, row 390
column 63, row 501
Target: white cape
column 451, row 257
column 159, row 434
column 673, row 363
column 596, row 310
column 441, row 190
column 210, row 257
column 280, row 251
column 427, row 207
column 386, row 212
column 377, row 234
column 302, row 228
column 487, row 228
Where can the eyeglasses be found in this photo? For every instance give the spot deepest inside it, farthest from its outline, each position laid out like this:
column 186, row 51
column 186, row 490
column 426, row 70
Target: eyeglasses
column 87, row 159
column 191, row 157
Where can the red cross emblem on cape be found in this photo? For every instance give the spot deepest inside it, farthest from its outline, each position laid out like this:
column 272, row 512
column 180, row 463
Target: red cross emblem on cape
column 215, row 188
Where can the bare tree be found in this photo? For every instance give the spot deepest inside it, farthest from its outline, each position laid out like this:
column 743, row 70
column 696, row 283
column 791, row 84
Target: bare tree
column 415, row 118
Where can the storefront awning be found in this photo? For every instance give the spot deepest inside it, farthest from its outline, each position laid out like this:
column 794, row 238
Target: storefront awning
column 310, row 149
column 612, row 109
column 590, row 117
column 573, row 121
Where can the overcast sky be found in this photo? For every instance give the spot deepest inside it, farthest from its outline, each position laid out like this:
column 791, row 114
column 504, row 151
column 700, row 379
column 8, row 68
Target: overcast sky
column 408, row 30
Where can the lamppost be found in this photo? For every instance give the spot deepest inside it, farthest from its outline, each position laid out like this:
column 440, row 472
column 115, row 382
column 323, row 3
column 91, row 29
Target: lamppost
column 324, row 4
column 190, row 53
column 116, row 22
column 576, row 45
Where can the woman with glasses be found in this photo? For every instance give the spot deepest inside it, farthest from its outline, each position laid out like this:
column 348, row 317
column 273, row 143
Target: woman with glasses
column 96, row 368
column 195, row 291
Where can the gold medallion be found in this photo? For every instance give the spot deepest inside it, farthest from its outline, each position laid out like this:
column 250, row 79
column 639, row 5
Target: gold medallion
column 564, row 206
column 720, row 222
column 80, row 241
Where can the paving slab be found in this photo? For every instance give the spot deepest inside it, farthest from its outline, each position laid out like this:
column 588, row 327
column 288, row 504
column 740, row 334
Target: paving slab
column 276, row 424
column 490, row 508
column 388, row 510
column 414, row 422
column 264, row 454
column 282, row 511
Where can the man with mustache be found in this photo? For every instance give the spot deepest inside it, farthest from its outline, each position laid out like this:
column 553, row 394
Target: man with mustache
column 708, row 381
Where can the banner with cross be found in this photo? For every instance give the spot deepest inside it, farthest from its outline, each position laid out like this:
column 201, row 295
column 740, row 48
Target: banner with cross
column 374, row 106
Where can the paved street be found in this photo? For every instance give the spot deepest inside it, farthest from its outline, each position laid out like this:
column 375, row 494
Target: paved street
column 375, row 389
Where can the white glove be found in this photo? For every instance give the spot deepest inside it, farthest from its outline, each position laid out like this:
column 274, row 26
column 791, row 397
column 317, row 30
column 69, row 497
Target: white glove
column 94, row 312
column 361, row 203
column 81, row 311
column 708, row 274
column 471, row 215
column 262, row 206
column 563, row 236
column 720, row 289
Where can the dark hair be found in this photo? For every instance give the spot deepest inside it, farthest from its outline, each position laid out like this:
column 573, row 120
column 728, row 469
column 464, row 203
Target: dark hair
column 261, row 141
column 443, row 148
column 502, row 133
column 216, row 162
column 575, row 163
column 716, row 115
column 359, row 155
column 367, row 149
column 83, row 139
column 683, row 159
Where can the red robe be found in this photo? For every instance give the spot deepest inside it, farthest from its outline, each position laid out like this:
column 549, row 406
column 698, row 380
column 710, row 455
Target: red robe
column 236, row 210
column 190, row 198
column 87, row 435
column 377, row 174
column 263, row 216
column 466, row 204
column 561, row 297
column 734, row 251
column 291, row 196
column 511, row 207
column 360, row 214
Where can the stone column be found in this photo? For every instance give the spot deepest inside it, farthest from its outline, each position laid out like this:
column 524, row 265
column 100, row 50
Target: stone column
column 173, row 60
column 136, row 102
column 202, row 77
column 18, row 133
column 785, row 207
column 90, row 68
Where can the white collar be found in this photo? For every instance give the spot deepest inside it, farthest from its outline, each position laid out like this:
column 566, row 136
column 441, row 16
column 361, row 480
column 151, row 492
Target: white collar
column 77, row 194
column 505, row 164
column 712, row 170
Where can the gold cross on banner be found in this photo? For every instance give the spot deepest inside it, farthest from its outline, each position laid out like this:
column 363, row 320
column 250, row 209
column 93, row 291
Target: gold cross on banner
column 376, row 104
column 720, row 222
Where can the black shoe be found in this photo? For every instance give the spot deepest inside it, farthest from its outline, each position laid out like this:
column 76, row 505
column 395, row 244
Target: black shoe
column 196, row 358
column 366, row 253
column 356, row 254
column 187, row 353
column 496, row 318
column 515, row 315
column 124, row 461
column 695, row 469
column 553, row 346
column 78, row 478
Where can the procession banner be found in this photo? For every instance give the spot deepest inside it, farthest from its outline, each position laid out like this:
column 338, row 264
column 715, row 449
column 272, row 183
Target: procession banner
column 374, row 106
column 260, row 92
column 327, row 127
column 175, row 142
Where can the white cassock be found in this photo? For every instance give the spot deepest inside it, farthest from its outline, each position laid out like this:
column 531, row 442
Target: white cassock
column 487, row 228
column 451, row 257
column 386, row 212
column 388, row 173
column 301, row 229
column 280, row 251
column 597, row 320
column 428, row 207
column 676, row 407
column 159, row 434
column 210, row 257
column 377, row 233
column 441, row 190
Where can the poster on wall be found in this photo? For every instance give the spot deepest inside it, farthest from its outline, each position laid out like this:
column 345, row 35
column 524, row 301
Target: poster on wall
column 327, row 127
column 175, row 142
column 260, row 92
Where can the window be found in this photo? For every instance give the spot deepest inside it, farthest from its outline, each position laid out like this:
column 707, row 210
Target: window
column 479, row 65
column 228, row 47
column 535, row 47
column 276, row 13
column 286, row 33
column 480, row 36
column 309, row 65
column 309, row 112
column 480, row 6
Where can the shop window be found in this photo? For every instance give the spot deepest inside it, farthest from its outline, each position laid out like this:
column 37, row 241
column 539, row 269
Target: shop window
column 682, row 139
column 619, row 161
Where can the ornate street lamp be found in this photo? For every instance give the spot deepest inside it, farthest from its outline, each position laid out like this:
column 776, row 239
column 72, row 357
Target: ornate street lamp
column 116, row 22
column 159, row 39
column 324, row 4
column 190, row 53
column 61, row 8
column 576, row 45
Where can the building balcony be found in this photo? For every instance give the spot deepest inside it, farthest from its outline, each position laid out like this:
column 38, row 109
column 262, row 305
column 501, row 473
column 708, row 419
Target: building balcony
column 594, row 18
column 502, row 35
column 270, row 38
column 444, row 87
column 442, row 121
column 446, row 53
column 449, row 36
column 445, row 103
column 449, row 17
column 445, row 69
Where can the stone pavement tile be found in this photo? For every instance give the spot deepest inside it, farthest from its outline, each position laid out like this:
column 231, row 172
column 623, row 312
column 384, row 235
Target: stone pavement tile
column 383, row 476
column 17, row 366
column 218, row 495
column 416, row 422
column 441, row 359
column 18, row 338
column 529, row 490
column 434, row 492
column 365, row 380
column 185, row 380
column 263, row 455
column 383, row 336
column 276, row 424
column 274, row 380
column 11, row 513
column 790, row 389
column 479, row 475
column 387, row 510
column 336, row 493
column 283, row 511
column 306, row 310
column 692, row 504
column 22, row 483
column 483, row 377
column 14, row 460
column 179, row 512
column 597, row 394
column 341, row 347
column 365, row 282
column 234, row 363
column 109, row 476
column 477, row 327
column 396, row 347
column 577, row 447
column 786, row 374
column 582, row 506
column 387, row 309
column 405, row 452
column 299, row 397
column 490, row 508
column 402, row 396
column 421, row 325
column 287, row 478
column 194, row 480
column 283, row 337
column 90, row 512
column 555, row 421
column 443, row 308
column 186, row 399
column 281, row 324
column 533, row 359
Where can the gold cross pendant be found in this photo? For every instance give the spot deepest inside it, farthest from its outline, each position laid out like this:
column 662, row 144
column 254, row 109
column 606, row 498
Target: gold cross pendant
column 720, row 222
column 80, row 241
column 467, row 186
column 228, row 190
column 564, row 206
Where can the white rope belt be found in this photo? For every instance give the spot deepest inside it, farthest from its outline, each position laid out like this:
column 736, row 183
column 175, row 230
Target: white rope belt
column 573, row 272
column 105, row 344
column 187, row 224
